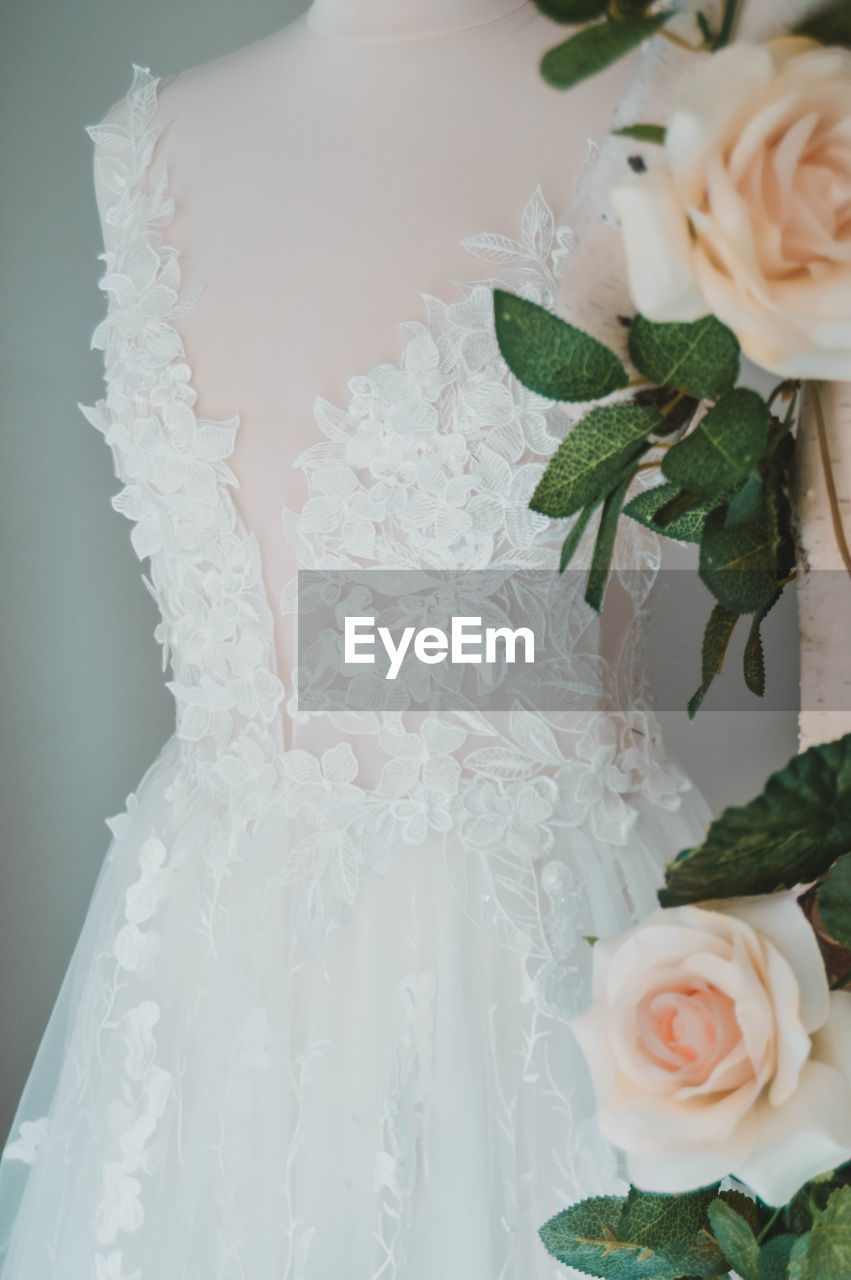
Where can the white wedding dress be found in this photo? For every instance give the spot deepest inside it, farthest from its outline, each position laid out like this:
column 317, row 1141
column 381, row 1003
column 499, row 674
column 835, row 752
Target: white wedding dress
column 315, row 1022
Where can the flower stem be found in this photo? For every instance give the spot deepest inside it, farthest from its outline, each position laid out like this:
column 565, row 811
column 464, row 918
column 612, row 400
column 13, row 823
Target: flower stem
column 829, row 480
column 727, row 21
column 769, row 1225
column 680, row 42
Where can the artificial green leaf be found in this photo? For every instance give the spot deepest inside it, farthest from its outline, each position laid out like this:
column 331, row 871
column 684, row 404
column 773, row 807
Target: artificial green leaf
column 745, row 505
column 606, row 1237
column 728, row 22
column 813, row 1195
column 778, row 510
column 573, row 10
column 604, row 546
column 654, row 133
column 830, row 25
column 591, row 459
column 790, row 834
column 738, row 565
column 552, row 357
column 825, row 1253
column 834, row 900
column 573, row 539
column 687, row 527
column 744, row 1206
column 774, row 1258
column 716, row 638
column 675, row 1227
column 726, row 444
column 736, row 1239
column 754, row 659
column 702, row 357
column 597, row 47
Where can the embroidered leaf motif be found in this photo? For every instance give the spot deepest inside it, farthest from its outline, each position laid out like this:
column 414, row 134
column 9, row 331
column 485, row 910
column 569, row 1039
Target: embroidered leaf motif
column 597, row 47
column 791, row 834
column 591, row 460
column 552, row 357
column 718, row 454
column 702, row 357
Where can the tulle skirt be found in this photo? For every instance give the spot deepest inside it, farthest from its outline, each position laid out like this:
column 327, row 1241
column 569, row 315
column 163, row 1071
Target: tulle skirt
column 212, row 1098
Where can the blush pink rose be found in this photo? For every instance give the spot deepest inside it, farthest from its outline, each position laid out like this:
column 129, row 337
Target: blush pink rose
column 746, row 213
column 717, row 1048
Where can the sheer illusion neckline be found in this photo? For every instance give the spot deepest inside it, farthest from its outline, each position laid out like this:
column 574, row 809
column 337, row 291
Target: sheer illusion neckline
column 390, row 480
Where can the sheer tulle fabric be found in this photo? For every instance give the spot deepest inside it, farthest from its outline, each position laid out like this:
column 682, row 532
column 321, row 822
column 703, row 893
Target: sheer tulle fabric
column 315, row 1023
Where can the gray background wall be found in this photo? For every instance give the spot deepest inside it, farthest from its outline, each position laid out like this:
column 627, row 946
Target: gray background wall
column 82, row 707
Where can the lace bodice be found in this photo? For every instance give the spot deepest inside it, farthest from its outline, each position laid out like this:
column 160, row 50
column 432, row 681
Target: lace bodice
column 430, row 465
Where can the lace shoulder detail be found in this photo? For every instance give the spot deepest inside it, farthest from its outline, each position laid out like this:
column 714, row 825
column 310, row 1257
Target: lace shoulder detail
column 205, row 574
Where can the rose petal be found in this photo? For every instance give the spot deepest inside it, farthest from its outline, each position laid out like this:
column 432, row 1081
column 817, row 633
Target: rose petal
column 658, row 248
column 707, row 105
column 685, row 1166
column 809, row 1134
column 778, row 917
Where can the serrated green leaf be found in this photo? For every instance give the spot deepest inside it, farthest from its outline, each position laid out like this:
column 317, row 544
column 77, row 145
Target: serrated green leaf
column 675, row 1227
column 790, row 834
column 830, row 25
column 716, row 638
column 834, row 900
column 597, row 47
column 654, row 133
column 552, row 357
column 726, row 444
column 573, row 539
column 744, row 1206
column 702, row 357
column 738, row 565
column 774, row 1258
column 573, row 10
column 745, row 505
column 594, row 1237
column 605, row 543
column 592, row 458
column 825, row 1253
column 754, row 660
column 687, row 527
column 736, row 1239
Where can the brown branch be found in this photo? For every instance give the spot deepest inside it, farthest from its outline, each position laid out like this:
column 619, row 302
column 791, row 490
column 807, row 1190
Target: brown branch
column 830, row 481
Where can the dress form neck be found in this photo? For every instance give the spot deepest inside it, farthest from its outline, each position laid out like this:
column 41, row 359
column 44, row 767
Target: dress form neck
column 391, row 21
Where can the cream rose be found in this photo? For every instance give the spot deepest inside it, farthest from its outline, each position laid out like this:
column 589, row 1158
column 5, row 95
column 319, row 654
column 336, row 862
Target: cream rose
column 746, row 212
column 717, row 1048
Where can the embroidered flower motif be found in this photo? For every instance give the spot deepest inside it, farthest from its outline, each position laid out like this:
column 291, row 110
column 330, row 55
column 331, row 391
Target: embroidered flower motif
column 25, row 1147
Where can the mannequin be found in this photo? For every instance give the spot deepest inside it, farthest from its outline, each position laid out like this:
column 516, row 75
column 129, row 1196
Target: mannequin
column 323, row 180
